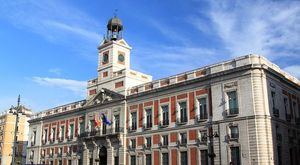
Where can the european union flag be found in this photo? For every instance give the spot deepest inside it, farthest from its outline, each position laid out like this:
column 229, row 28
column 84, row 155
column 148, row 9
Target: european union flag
column 105, row 120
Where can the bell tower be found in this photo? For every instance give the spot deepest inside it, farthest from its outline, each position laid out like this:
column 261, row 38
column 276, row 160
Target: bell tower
column 114, row 52
column 114, row 71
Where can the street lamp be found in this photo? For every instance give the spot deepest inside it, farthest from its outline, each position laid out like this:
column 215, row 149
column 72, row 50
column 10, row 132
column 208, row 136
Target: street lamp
column 15, row 111
column 211, row 137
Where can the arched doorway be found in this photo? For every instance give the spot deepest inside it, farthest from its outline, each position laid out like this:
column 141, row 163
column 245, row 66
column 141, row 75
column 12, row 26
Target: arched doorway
column 103, row 156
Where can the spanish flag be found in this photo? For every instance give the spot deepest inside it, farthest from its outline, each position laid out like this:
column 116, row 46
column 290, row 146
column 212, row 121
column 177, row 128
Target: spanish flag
column 97, row 121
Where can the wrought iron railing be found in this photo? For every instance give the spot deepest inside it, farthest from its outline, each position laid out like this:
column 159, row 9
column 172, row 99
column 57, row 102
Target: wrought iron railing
column 275, row 112
column 181, row 120
column 110, row 131
column 232, row 112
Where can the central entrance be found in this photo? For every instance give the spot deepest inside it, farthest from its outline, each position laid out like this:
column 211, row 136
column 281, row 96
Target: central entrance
column 103, row 156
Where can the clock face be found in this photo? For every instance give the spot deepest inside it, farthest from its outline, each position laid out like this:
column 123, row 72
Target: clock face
column 121, row 58
column 105, row 58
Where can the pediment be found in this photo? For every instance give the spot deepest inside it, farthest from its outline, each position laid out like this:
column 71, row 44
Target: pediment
column 104, row 96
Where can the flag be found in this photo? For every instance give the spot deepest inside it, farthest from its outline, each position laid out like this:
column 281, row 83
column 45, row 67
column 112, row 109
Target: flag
column 105, row 120
column 97, row 121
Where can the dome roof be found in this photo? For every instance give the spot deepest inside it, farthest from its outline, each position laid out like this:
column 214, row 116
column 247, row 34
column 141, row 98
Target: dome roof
column 115, row 24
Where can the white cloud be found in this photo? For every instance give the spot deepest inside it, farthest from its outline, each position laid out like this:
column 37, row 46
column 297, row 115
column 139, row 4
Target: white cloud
column 293, row 70
column 75, row 86
column 169, row 60
column 270, row 28
column 56, row 71
column 85, row 34
column 168, row 32
column 55, row 21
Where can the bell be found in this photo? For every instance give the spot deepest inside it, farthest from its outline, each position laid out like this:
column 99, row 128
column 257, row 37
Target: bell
column 114, row 37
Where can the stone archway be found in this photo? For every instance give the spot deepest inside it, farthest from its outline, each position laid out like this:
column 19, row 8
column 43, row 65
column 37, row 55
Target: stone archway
column 103, row 156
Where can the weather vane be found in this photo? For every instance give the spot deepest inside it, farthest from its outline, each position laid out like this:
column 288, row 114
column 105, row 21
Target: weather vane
column 115, row 12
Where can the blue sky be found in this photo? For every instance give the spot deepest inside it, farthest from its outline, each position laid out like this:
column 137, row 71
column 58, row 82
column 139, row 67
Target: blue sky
column 48, row 48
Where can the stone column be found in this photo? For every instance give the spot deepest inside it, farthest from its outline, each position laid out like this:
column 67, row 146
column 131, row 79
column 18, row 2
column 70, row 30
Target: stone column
column 110, row 152
column 110, row 155
column 85, row 154
column 122, row 150
column 95, row 153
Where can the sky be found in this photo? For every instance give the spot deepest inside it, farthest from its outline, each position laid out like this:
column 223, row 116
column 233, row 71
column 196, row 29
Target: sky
column 48, row 49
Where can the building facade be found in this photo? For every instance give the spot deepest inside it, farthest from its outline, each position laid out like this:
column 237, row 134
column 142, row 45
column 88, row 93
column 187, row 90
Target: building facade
column 242, row 111
column 12, row 125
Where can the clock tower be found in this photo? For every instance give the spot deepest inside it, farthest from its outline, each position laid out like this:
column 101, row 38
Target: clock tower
column 114, row 71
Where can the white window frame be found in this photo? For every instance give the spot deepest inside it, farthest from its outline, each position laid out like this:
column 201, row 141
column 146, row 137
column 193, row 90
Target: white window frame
column 197, row 103
column 178, row 109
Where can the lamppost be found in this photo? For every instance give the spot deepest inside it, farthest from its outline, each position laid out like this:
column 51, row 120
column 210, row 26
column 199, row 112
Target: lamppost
column 211, row 137
column 15, row 111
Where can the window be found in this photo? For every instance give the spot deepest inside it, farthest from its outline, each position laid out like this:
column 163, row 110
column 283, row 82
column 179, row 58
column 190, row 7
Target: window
column 52, row 151
column 275, row 110
column 234, row 132
column 148, row 118
column 148, row 142
column 31, row 154
column 133, row 121
column 203, row 136
column 104, row 74
column 183, row 138
column 46, row 135
column 117, row 123
column 204, row 157
column 235, row 155
column 202, row 108
column 148, row 159
column 79, row 161
column 119, row 84
column 183, row 158
column 165, row 140
column 295, row 108
column 165, row 114
column 43, row 153
column 279, row 155
column 70, row 150
column 291, row 156
column 132, row 160
column 53, row 134
column 33, row 138
column 183, row 112
column 233, row 102
column 287, row 111
column 81, row 127
column 103, row 129
column 273, row 95
column 285, row 101
column 91, row 125
column 62, row 132
column 133, row 143
column 116, row 160
column 91, row 161
column 165, row 159
column 71, row 131
column 60, row 151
